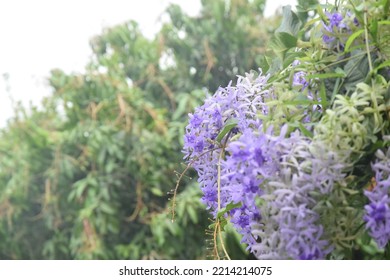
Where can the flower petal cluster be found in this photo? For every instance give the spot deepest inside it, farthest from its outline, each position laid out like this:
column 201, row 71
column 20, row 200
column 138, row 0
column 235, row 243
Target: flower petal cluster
column 300, row 81
column 337, row 29
column 248, row 164
column 377, row 215
column 291, row 228
column 240, row 103
column 270, row 173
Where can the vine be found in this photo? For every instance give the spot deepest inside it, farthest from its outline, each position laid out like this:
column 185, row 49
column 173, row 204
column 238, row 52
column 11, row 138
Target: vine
column 296, row 135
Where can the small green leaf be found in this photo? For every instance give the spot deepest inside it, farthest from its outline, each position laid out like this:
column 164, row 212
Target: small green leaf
column 374, row 30
column 212, row 226
column 230, row 124
column 156, row 192
column 291, row 56
column 320, row 11
column 324, row 100
column 106, row 208
column 384, row 22
column 326, row 75
column 356, row 69
column 263, row 63
column 228, row 207
column 383, row 65
column 351, row 39
column 222, row 224
column 232, row 205
column 305, row 131
column 192, row 213
column 282, row 42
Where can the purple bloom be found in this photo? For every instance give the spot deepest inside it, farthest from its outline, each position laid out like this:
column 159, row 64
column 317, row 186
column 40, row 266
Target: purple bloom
column 335, row 28
column 355, row 21
column 270, row 173
column 247, row 167
column 199, row 146
column 299, row 80
column 242, row 220
column 242, row 103
column 295, row 62
column 377, row 215
column 334, row 19
column 292, row 229
column 377, row 211
column 327, row 39
column 195, row 120
column 258, row 156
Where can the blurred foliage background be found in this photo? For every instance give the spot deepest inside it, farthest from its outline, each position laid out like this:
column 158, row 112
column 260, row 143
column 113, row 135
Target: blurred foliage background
column 89, row 174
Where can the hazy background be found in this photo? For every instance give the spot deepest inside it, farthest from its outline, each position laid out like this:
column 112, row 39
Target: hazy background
column 37, row 36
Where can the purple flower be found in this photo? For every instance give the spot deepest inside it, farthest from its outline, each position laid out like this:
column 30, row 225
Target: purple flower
column 335, row 28
column 242, row 103
column 195, row 120
column 295, row 63
column 300, row 80
column 334, row 19
column 291, row 228
column 327, row 39
column 245, row 168
column 377, row 215
column 271, row 174
column 377, row 211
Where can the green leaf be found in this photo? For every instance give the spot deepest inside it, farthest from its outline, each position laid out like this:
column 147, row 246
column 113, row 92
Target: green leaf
column 326, row 75
column 324, row 100
column 305, row 131
column 228, row 207
column 156, row 191
column 382, row 65
column 276, row 66
column 282, row 42
column 291, row 56
column 222, row 224
column 106, row 208
column 230, row 124
column 193, row 215
column 290, row 22
column 320, row 11
column 263, row 63
column 351, row 39
column 374, row 30
column 357, row 70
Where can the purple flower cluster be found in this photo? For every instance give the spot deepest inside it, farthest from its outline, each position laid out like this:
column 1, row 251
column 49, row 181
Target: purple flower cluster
column 334, row 26
column 290, row 227
column 247, row 166
column 377, row 215
column 241, row 103
column 337, row 31
column 268, row 172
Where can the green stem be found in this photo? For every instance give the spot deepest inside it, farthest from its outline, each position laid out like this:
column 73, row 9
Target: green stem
column 366, row 35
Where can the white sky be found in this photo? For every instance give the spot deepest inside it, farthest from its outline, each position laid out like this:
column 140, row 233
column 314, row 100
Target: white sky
column 37, row 36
